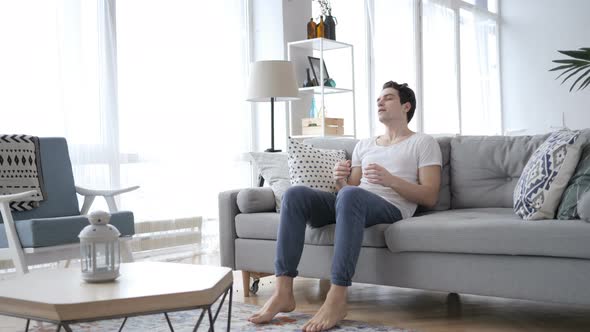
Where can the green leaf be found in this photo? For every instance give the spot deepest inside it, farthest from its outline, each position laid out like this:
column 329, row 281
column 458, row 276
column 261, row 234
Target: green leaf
column 571, row 61
column 579, row 61
column 579, row 78
column 583, row 55
column 585, row 84
column 560, row 67
column 566, row 71
column 574, row 73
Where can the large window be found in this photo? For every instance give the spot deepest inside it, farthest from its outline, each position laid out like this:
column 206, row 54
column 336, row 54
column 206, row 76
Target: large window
column 181, row 96
column 447, row 50
column 147, row 92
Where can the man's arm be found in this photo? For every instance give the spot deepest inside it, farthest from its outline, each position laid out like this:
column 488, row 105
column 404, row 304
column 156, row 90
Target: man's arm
column 424, row 193
column 354, row 179
column 344, row 175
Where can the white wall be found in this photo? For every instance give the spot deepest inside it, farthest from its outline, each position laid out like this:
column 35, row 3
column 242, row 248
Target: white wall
column 532, row 31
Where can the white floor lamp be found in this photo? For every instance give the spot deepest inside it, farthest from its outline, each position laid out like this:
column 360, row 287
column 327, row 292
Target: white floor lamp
column 272, row 80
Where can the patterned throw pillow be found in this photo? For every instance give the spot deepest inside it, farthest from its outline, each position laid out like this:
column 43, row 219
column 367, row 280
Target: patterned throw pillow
column 546, row 175
column 274, row 169
column 578, row 185
column 311, row 166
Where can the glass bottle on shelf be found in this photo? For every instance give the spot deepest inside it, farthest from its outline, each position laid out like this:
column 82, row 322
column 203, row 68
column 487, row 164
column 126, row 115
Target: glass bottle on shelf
column 313, row 110
column 311, row 29
column 330, row 27
column 320, row 28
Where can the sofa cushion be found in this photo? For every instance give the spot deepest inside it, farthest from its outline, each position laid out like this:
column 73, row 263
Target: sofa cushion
column 496, row 231
column 46, row 232
column 264, row 226
column 545, row 176
column 578, row 184
column 444, row 194
column 334, row 143
column 584, row 207
column 485, row 169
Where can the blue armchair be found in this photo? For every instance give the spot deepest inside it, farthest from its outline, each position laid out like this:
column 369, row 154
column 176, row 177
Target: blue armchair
column 49, row 233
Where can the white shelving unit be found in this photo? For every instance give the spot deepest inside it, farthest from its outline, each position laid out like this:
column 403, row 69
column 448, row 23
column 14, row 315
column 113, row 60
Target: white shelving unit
column 298, row 53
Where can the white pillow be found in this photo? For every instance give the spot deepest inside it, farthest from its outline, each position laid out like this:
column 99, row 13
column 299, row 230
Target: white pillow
column 545, row 176
column 311, row 166
column 275, row 171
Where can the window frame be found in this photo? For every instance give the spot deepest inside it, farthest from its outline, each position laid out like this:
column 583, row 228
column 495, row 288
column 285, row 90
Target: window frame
column 456, row 6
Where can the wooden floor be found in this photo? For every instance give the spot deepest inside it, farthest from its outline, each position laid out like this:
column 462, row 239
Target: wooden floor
column 432, row 311
column 413, row 309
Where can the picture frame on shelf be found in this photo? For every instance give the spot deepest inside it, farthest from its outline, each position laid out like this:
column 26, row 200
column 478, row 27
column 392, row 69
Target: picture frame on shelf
column 314, row 63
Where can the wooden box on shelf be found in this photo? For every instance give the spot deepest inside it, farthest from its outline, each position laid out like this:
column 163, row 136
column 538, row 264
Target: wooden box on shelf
column 314, row 126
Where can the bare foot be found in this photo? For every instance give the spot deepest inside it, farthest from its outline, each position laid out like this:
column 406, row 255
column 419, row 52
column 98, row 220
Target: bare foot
column 279, row 302
column 332, row 311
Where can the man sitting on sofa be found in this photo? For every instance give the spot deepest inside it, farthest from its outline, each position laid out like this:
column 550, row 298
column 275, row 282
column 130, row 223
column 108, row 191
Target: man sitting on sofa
column 388, row 176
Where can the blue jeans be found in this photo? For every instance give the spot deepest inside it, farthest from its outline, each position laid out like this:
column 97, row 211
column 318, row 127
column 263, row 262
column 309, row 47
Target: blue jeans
column 352, row 209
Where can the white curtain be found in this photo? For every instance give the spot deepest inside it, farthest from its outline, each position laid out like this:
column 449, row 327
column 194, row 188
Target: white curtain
column 394, row 50
column 154, row 100
column 182, row 82
column 441, row 105
column 480, row 82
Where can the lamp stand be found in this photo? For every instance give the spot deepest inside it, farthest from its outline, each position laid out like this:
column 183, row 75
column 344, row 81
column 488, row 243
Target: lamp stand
column 272, row 127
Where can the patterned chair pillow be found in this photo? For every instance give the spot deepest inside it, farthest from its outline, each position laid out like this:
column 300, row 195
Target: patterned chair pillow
column 546, row 175
column 313, row 167
column 578, row 185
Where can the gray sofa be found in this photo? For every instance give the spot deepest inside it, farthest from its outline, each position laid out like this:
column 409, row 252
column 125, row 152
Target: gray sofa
column 470, row 242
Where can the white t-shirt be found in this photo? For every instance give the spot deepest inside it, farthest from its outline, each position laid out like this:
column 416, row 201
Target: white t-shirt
column 402, row 160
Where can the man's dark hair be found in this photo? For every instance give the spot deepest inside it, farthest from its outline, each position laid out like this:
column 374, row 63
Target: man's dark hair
column 406, row 95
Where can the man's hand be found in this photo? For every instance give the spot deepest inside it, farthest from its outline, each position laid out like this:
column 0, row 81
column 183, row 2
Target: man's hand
column 377, row 174
column 341, row 172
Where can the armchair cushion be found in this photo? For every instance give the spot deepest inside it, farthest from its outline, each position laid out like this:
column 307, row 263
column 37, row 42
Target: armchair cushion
column 253, row 200
column 45, row 232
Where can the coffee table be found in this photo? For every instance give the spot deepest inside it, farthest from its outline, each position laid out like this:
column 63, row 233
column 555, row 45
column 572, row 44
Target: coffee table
column 60, row 296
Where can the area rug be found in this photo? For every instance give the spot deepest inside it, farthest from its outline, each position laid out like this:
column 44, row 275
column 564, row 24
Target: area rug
column 184, row 321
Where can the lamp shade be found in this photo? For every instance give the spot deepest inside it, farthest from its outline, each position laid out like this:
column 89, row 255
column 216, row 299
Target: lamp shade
column 272, row 79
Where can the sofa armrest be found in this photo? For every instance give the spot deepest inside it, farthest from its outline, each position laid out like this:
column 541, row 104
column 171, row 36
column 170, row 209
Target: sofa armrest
column 228, row 209
column 252, row 200
column 233, row 202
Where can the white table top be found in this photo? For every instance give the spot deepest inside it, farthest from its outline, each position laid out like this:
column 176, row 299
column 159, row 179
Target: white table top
column 62, row 295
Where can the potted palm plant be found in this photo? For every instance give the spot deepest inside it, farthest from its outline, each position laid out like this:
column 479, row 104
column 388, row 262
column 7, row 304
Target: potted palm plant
column 578, row 63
